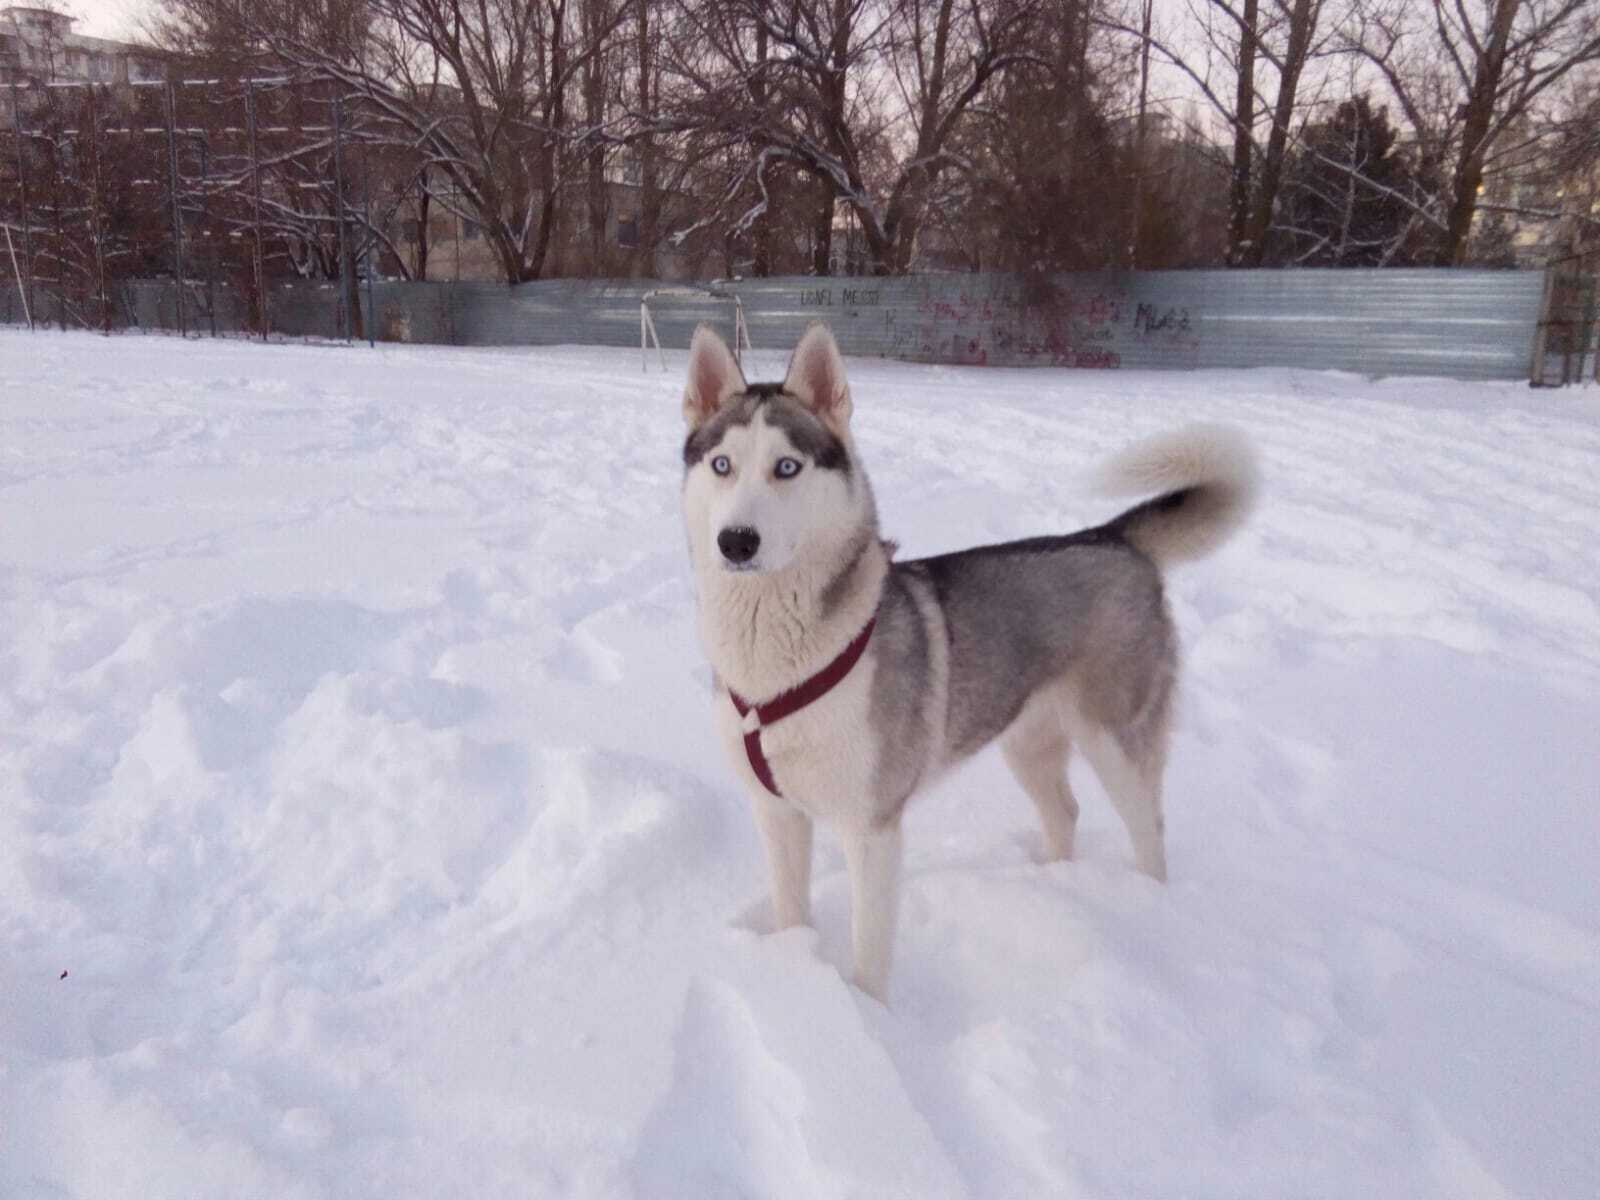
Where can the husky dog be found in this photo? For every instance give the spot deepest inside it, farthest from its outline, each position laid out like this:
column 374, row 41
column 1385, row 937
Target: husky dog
column 847, row 681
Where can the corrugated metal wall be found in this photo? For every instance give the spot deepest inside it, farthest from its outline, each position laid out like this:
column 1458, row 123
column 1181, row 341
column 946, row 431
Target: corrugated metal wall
column 551, row 312
column 1461, row 323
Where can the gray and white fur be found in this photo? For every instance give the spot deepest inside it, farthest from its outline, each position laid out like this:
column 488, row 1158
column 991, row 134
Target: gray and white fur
column 1045, row 645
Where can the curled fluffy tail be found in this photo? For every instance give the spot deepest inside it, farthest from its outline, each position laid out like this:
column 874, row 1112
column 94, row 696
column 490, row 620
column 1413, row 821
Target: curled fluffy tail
column 1206, row 480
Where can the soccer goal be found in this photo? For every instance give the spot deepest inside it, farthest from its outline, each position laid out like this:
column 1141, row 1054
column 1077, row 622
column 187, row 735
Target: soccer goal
column 647, row 323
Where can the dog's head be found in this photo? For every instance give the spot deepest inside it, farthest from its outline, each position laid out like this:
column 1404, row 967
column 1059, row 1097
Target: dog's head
column 769, row 471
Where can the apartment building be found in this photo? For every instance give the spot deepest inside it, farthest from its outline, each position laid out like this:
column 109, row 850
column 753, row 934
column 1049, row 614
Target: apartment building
column 37, row 45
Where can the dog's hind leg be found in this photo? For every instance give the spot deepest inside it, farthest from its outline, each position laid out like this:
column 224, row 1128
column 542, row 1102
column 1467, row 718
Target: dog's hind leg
column 787, row 833
column 873, row 856
column 1134, row 786
column 1036, row 747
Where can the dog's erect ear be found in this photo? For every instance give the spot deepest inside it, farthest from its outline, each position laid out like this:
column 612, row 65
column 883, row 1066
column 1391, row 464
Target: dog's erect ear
column 816, row 377
column 714, row 376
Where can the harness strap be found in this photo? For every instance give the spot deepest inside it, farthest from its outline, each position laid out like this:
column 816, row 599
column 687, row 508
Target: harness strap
column 787, row 703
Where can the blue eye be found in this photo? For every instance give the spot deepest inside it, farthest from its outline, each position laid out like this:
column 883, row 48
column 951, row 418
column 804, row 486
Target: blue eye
column 721, row 465
column 787, row 468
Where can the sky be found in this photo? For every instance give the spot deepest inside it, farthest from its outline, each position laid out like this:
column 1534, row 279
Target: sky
column 106, row 18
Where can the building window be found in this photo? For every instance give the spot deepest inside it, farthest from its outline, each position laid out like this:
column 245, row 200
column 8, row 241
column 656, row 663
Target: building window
column 471, row 230
column 628, row 232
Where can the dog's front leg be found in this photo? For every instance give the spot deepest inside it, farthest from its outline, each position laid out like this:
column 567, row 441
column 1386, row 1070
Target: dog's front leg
column 873, row 856
column 787, row 832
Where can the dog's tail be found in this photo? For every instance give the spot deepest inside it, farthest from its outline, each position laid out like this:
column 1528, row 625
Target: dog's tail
column 1206, row 480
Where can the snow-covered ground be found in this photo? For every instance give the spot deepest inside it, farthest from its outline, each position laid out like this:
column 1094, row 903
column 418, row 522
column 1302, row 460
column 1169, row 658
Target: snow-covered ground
column 362, row 833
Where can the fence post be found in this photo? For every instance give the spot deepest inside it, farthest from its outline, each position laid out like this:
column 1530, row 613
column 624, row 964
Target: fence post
column 26, row 284
column 338, row 197
column 255, row 179
column 1590, row 333
column 1541, row 330
column 1595, row 335
column 177, row 213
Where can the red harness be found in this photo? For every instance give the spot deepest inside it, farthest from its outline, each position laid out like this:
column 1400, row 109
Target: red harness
column 792, row 701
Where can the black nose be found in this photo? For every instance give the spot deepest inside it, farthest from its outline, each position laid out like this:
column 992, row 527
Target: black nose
column 738, row 543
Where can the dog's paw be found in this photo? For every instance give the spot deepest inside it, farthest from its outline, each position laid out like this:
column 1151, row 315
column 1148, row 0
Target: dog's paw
column 872, row 987
column 1040, row 851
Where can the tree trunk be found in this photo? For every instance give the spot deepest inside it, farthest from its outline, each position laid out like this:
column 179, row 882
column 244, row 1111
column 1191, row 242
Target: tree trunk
column 1244, row 121
column 1301, row 23
column 905, row 244
column 597, row 213
column 1477, row 115
column 594, row 115
column 761, row 233
column 1139, row 136
column 891, row 253
column 539, row 255
column 419, row 266
column 761, row 238
column 352, row 301
column 649, row 185
column 555, row 119
column 822, row 232
column 833, row 95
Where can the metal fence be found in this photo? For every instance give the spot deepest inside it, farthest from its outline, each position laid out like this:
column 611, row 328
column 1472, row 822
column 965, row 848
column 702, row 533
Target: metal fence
column 1460, row 323
column 1465, row 324
column 1567, row 345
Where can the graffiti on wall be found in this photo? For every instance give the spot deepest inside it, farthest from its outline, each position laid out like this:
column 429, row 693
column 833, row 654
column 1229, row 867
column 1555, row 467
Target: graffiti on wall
column 996, row 322
column 840, row 297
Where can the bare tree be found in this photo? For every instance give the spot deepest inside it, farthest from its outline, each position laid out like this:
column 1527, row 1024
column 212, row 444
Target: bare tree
column 1575, row 165
column 1045, row 182
column 1243, row 119
column 481, row 91
column 1301, row 17
column 1467, row 75
column 1350, row 194
column 862, row 96
column 1231, row 54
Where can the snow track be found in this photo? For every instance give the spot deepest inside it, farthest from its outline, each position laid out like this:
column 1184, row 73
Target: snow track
column 356, row 769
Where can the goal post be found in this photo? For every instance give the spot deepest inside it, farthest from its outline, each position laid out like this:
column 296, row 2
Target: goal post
column 22, row 288
column 647, row 323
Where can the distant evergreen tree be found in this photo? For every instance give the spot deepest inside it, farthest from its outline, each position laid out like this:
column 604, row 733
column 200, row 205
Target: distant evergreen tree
column 1345, row 203
column 1045, row 186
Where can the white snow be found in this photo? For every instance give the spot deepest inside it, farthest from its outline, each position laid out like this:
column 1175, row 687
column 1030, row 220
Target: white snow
column 362, row 831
